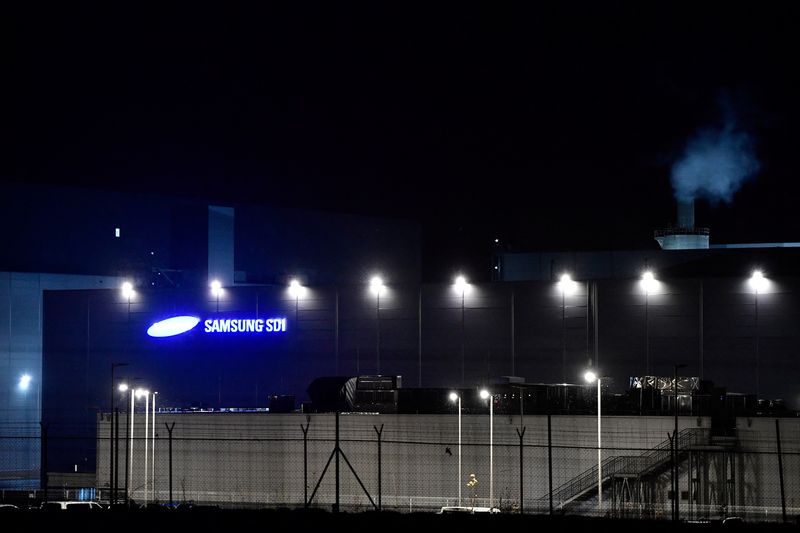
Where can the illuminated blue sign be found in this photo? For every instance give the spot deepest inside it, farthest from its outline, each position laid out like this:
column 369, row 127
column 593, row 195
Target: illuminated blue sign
column 236, row 325
column 173, row 326
column 181, row 324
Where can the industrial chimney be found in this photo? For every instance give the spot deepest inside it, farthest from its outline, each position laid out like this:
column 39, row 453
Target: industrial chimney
column 686, row 214
column 684, row 236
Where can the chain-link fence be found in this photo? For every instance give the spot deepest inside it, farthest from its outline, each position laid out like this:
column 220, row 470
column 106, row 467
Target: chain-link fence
column 535, row 464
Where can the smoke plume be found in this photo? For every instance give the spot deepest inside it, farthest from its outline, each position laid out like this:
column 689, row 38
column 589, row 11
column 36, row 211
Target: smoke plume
column 715, row 164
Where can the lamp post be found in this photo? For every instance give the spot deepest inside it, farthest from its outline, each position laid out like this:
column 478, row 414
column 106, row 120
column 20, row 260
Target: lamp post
column 486, row 395
column 128, row 460
column 146, row 395
column 111, row 493
column 461, row 286
column 377, row 287
column 758, row 283
column 454, row 397
column 137, row 394
column 591, row 377
column 153, row 450
column 567, row 286
column 122, row 388
column 216, row 291
column 649, row 284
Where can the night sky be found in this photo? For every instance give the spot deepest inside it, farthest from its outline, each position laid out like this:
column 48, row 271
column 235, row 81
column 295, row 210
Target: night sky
column 547, row 129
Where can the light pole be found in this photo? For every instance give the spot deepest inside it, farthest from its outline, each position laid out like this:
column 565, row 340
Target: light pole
column 486, row 395
column 137, row 394
column 649, row 284
column 461, row 286
column 122, row 388
column 216, row 291
column 146, row 395
column 111, row 493
column 128, row 459
column 153, row 450
column 455, row 397
column 591, row 377
column 758, row 283
column 377, row 287
column 567, row 286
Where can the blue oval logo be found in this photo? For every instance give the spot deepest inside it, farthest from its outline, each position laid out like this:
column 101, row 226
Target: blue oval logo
column 173, row 326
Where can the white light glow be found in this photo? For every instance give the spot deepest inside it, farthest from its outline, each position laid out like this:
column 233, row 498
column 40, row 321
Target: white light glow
column 590, row 376
column 376, row 286
column 649, row 283
column 123, row 387
column 460, row 285
column 24, row 381
column 484, row 394
column 141, row 393
column 453, row 397
column 216, row 288
column 127, row 290
column 295, row 289
column 566, row 285
column 758, row 282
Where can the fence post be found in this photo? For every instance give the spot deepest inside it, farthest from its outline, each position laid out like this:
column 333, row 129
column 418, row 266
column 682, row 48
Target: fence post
column 780, row 468
column 380, row 492
column 550, row 461
column 521, row 435
column 169, row 430
column 305, row 460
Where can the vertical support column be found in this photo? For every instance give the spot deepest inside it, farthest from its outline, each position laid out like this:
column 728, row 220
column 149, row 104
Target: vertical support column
column 336, row 451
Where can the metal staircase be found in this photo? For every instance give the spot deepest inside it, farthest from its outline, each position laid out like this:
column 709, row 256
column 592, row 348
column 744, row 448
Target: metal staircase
column 649, row 462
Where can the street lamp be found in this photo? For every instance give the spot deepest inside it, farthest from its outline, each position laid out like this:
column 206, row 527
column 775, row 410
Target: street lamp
column 135, row 394
column 454, row 397
column 486, row 395
column 216, row 290
column 146, row 394
column 377, row 287
column 461, row 287
column 759, row 284
column 111, row 491
column 591, row 377
column 649, row 284
column 567, row 287
column 122, row 388
column 153, row 450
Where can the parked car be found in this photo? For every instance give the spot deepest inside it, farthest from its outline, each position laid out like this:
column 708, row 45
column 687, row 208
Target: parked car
column 71, row 506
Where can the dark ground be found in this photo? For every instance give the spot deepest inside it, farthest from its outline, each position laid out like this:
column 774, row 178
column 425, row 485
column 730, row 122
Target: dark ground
column 287, row 520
